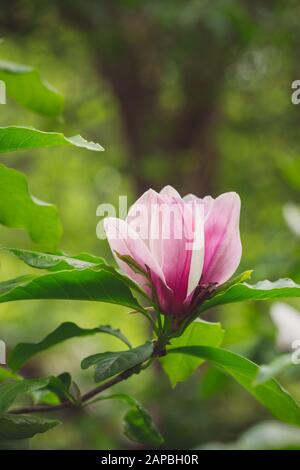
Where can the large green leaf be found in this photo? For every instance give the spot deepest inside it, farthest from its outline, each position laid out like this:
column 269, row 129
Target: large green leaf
column 57, row 262
column 84, row 284
column 270, row 394
column 9, row 391
column 64, row 262
column 264, row 290
column 24, row 351
column 179, row 367
column 19, row 209
column 14, row 138
column 23, row 427
column 109, row 364
column 138, row 424
column 25, row 85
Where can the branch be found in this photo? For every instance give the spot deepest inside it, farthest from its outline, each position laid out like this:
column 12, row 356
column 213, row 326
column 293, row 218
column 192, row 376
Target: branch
column 86, row 397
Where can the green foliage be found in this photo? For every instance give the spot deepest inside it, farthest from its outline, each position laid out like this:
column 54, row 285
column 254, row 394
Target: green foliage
column 24, row 351
column 23, row 427
column 25, row 85
column 9, row 391
column 240, row 278
column 64, row 387
column 263, row 290
column 14, row 138
column 19, row 209
column 180, row 367
column 6, row 374
column 84, row 284
column 244, row 371
column 62, row 262
column 59, row 262
column 138, row 424
column 161, row 134
column 108, row 364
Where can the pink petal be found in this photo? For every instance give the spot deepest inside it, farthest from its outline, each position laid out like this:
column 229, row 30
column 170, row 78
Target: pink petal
column 207, row 201
column 170, row 193
column 176, row 246
column 197, row 259
column 223, row 247
column 140, row 214
column 124, row 240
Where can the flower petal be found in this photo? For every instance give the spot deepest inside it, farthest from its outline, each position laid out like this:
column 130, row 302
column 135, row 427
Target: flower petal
column 140, row 214
column 124, row 240
column 176, row 246
column 222, row 238
column 197, row 259
column 207, row 201
column 170, row 192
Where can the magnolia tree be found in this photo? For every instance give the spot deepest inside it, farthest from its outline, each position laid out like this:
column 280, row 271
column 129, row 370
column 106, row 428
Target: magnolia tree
column 177, row 258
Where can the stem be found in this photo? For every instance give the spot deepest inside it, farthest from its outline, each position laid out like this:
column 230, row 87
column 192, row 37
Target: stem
column 91, row 394
column 87, row 396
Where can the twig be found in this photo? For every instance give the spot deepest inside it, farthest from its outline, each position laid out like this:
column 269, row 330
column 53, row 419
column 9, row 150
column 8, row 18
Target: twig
column 87, row 396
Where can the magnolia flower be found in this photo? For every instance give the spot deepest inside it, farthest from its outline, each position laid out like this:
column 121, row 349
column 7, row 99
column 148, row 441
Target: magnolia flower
column 177, row 249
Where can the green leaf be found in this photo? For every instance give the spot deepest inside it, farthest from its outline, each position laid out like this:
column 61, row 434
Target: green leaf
column 24, row 351
column 25, row 85
column 9, row 391
column 243, row 277
column 14, row 138
column 114, row 332
column 61, row 386
column 85, row 284
column 138, row 424
column 44, row 397
column 59, row 262
column 23, row 427
column 65, row 388
column 267, row 371
column 6, row 374
column 180, row 367
column 109, row 364
column 270, row 394
column 264, row 290
column 19, row 209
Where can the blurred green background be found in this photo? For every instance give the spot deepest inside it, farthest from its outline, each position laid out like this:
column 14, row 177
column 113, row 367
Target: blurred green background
column 195, row 94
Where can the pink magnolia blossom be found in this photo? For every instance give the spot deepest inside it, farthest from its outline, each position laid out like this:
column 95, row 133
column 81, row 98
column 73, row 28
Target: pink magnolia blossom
column 184, row 246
